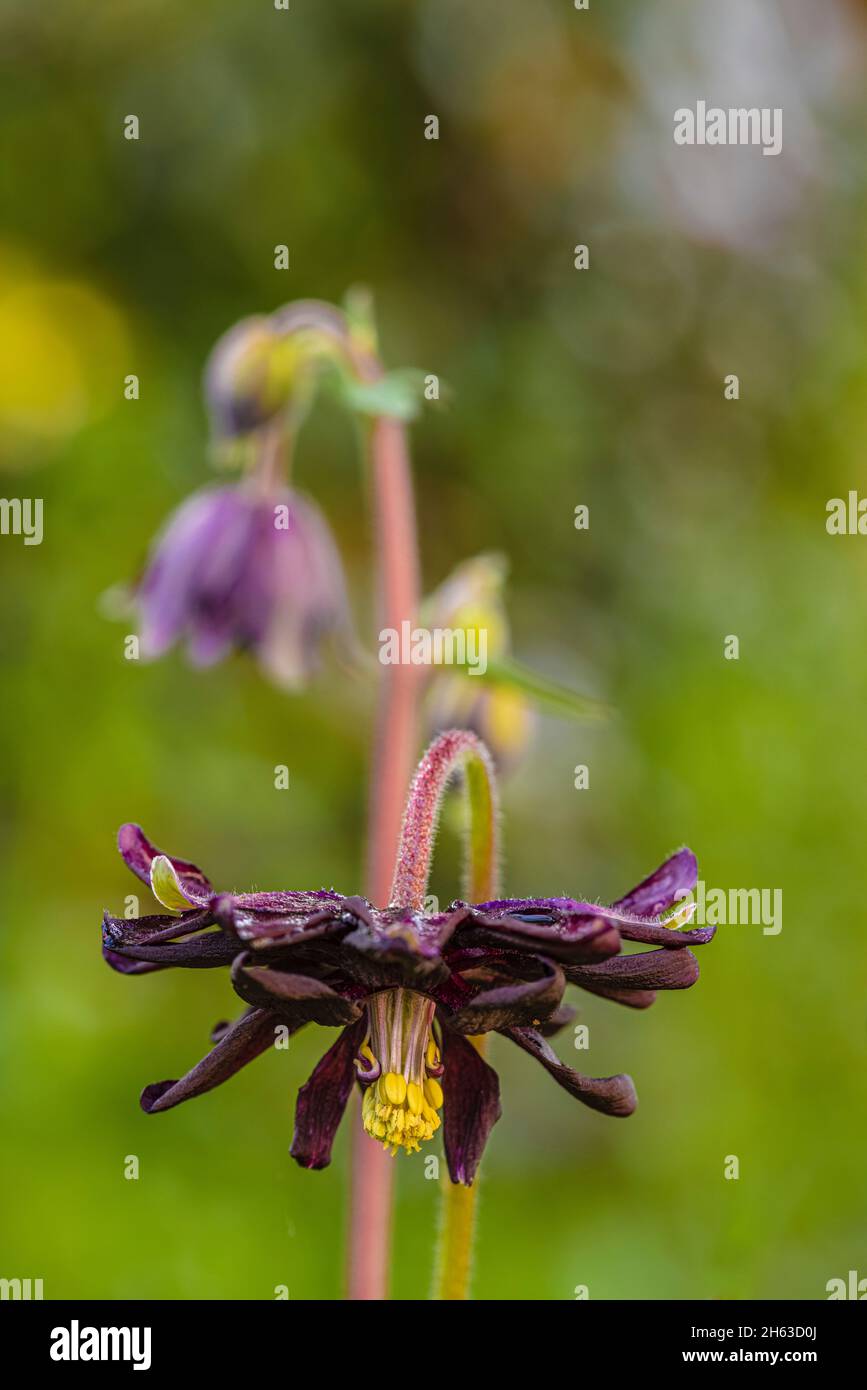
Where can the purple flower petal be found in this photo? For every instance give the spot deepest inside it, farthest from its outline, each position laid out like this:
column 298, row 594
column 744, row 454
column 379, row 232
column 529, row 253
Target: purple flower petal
column 138, row 854
column 613, row 1095
column 301, row 997
column 558, row 927
column 576, row 932
column 269, row 920
column 322, row 1099
column 307, row 591
column 512, row 1005
column 672, row 881
column 202, row 545
column 471, row 1105
column 651, row 934
column 234, row 584
column 291, row 905
column 238, row 569
column 251, row 1035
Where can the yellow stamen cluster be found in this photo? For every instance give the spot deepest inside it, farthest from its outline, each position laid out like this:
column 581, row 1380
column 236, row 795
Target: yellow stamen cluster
column 400, row 1108
column 401, row 1113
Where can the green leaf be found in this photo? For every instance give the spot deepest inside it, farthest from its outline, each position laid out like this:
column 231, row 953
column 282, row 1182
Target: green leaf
column 548, row 695
column 398, row 393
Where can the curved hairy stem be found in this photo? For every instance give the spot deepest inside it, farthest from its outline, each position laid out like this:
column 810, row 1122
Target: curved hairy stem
column 450, row 753
column 455, row 751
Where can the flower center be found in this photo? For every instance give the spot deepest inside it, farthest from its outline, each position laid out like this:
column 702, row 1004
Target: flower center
column 402, row 1059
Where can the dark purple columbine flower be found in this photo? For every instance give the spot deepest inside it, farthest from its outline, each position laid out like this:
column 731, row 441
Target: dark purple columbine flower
column 407, row 991
column 238, row 568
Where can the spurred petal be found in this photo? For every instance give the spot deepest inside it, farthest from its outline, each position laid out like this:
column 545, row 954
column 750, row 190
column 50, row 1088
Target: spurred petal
column 664, row 887
column 613, row 1095
column 471, row 1105
column 139, row 854
column 251, row 1035
column 652, row 934
column 407, row 940
column 156, row 927
column 634, row 980
column 559, row 1019
column 512, row 1005
column 322, row 1099
column 301, row 997
column 266, row 920
column 151, row 939
column 646, row 970
column 124, row 966
column 632, row 998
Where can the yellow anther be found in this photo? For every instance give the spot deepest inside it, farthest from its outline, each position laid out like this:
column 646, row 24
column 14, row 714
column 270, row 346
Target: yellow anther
column 433, row 1092
column 414, row 1098
column 395, row 1088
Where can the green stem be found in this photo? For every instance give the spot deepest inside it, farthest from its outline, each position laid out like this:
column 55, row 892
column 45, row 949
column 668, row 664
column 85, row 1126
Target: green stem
column 455, row 1242
column 458, row 1214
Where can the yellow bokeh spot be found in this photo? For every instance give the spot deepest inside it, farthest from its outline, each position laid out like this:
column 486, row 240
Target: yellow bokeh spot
column 64, row 353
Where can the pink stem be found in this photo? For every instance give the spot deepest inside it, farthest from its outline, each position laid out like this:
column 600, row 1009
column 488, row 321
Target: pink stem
column 396, row 732
column 394, row 754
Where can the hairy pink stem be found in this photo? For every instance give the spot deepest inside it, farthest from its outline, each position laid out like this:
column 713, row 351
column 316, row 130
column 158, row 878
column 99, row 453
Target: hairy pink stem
column 454, row 751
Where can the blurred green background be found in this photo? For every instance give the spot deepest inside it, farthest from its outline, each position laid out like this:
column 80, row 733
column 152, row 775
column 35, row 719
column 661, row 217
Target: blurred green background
column 601, row 387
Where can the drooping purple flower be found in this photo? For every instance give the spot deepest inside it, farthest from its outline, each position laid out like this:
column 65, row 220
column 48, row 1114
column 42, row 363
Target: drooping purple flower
column 246, row 382
column 407, row 992
column 238, row 568
column 264, row 368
